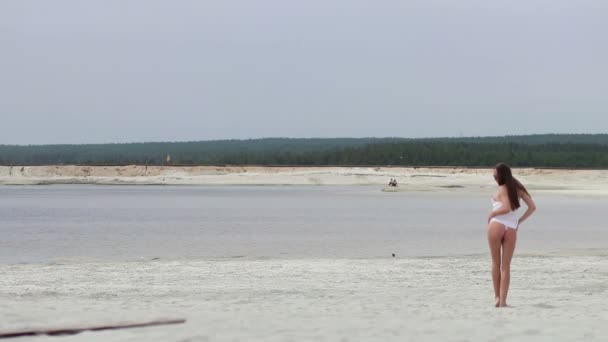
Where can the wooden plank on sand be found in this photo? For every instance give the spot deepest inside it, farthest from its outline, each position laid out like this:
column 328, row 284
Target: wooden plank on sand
column 76, row 330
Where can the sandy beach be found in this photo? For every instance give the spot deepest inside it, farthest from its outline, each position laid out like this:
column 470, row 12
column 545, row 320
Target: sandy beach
column 555, row 295
column 553, row 298
column 585, row 182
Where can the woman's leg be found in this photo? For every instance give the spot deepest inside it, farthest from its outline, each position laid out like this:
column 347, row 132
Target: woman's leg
column 508, row 247
column 496, row 232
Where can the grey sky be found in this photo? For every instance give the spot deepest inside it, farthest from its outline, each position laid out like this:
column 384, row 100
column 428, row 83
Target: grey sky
column 143, row 70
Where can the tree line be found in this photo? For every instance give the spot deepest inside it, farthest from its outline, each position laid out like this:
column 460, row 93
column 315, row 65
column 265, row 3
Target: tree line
column 570, row 151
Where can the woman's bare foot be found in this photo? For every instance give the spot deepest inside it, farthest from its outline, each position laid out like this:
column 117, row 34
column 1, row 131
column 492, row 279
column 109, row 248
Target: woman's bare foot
column 497, row 301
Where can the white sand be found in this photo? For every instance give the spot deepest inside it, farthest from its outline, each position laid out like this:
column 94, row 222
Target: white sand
column 554, row 298
column 585, row 182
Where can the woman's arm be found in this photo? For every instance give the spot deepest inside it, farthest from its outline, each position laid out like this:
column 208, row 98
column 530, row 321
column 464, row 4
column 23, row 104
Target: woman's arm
column 531, row 207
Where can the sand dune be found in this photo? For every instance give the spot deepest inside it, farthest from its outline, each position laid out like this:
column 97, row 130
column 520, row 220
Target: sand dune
column 575, row 181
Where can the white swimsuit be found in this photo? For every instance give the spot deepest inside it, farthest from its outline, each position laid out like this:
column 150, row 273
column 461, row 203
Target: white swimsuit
column 510, row 219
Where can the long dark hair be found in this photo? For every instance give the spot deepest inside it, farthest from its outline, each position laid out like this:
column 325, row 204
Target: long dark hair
column 504, row 176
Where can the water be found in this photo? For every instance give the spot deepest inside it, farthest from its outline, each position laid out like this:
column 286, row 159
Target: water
column 54, row 223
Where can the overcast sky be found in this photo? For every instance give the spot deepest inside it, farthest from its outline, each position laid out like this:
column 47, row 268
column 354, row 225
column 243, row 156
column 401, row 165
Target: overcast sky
column 96, row 71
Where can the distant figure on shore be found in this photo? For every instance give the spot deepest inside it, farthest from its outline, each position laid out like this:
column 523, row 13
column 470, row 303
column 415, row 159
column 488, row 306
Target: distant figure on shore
column 503, row 223
column 392, row 182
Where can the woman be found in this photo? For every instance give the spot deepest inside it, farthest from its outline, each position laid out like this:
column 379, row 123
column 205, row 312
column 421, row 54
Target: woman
column 503, row 223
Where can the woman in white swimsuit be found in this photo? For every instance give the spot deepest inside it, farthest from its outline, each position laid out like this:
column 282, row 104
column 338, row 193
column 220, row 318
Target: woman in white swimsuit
column 503, row 223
